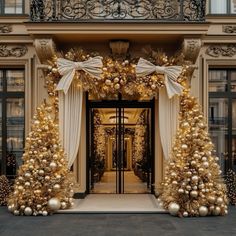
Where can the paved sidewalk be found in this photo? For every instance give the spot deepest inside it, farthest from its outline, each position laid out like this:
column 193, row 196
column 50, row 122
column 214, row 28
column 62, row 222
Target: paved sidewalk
column 116, row 225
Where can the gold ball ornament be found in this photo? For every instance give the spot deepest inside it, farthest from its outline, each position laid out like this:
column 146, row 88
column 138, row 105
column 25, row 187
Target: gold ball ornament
column 116, row 80
column 41, row 172
column 184, row 146
column 205, row 164
column 44, row 213
column 28, row 211
column 180, row 190
column 194, row 194
column 16, row 213
column 56, row 187
column 216, row 211
column 185, row 214
column 53, row 165
column 108, row 82
column 117, row 86
column 11, row 208
column 219, row 200
column 63, row 205
column 195, row 178
column 54, row 204
column 203, row 211
column 173, row 208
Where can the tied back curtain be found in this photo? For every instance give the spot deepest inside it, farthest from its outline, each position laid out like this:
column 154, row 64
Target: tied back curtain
column 70, row 116
column 168, row 120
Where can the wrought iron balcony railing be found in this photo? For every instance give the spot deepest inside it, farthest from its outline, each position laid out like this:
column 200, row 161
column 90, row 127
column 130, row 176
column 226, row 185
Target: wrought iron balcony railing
column 117, row 10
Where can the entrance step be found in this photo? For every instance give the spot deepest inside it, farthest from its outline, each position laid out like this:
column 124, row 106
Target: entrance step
column 116, row 203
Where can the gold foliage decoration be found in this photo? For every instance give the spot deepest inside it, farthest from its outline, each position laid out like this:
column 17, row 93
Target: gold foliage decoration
column 4, row 190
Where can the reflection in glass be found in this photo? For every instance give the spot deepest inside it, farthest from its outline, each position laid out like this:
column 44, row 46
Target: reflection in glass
column 15, row 134
column 15, row 80
column 218, row 127
column 13, row 7
column 1, row 79
column 234, row 132
column 217, row 80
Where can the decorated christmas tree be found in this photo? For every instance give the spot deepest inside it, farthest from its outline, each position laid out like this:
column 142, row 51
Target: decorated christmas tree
column 4, row 190
column 43, row 185
column 230, row 180
column 192, row 183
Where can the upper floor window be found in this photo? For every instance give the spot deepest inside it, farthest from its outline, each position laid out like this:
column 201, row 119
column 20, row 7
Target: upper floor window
column 12, row 6
column 223, row 6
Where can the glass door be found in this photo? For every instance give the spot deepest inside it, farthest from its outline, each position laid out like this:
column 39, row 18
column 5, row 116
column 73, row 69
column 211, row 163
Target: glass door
column 120, row 153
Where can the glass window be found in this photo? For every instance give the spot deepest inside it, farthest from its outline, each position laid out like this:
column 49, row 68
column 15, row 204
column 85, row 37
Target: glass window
column 218, row 6
column 233, row 6
column 222, row 115
column 12, row 6
column 12, row 115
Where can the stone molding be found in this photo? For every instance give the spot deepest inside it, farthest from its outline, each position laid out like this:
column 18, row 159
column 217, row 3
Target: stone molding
column 119, row 48
column 7, row 50
column 5, row 29
column 45, row 49
column 224, row 50
column 191, row 49
column 229, row 29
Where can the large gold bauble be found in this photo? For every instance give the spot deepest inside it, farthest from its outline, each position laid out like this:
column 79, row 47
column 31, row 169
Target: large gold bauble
column 203, row 211
column 28, row 211
column 54, row 204
column 173, row 208
column 194, row 193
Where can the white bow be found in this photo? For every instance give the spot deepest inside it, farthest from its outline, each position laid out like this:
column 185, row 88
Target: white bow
column 171, row 74
column 67, row 69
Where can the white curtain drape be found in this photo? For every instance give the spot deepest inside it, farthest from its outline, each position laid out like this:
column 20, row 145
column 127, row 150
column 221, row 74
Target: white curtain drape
column 70, row 116
column 168, row 120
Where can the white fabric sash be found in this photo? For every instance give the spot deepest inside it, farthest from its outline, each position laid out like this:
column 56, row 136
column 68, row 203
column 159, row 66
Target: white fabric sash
column 171, row 74
column 67, row 68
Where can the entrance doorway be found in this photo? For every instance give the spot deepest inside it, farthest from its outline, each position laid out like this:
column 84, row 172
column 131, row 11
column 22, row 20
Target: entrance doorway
column 120, row 146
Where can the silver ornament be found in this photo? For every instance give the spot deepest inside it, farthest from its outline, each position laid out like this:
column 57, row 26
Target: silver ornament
column 54, row 204
column 173, row 208
column 203, row 211
column 185, row 214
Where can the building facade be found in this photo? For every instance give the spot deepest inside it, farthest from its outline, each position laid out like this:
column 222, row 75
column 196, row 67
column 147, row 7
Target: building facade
column 31, row 32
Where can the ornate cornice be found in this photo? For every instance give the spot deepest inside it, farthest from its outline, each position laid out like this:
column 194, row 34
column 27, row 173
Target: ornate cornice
column 4, row 29
column 225, row 50
column 12, row 51
column 191, row 49
column 45, row 49
column 229, row 29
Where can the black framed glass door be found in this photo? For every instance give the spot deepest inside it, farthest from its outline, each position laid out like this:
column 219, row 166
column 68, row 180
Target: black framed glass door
column 120, row 147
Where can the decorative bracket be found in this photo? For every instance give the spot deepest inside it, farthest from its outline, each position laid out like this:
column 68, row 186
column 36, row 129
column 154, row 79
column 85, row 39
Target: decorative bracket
column 45, row 49
column 191, row 49
column 119, row 48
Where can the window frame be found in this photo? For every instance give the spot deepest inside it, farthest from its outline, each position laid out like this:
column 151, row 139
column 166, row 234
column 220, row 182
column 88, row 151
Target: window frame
column 2, row 9
column 4, row 95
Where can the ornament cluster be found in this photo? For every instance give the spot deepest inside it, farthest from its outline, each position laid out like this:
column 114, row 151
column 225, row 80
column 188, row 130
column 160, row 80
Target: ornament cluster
column 4, row 190
column 43, row 185
column 230, row 180
column 192, row 184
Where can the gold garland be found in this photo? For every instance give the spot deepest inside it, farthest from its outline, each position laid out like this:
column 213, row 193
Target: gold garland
column 118, row 76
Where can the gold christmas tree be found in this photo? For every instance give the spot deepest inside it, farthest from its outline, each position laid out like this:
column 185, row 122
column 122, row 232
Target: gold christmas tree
column 192, row 184
column 4, row 190
column 43, row 185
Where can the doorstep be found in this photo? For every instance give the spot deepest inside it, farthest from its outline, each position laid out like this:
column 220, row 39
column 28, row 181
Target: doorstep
column 116, row 203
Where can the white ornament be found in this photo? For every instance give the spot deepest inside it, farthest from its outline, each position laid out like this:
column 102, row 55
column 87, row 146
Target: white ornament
column 173, row 208
column 54, row 204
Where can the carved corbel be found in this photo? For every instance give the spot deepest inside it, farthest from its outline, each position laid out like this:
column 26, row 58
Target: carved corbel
column 191, row 49
column 119, row 48
column 45, row 49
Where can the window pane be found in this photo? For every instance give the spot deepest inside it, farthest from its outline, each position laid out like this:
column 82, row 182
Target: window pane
column 13, row 6
column 218, row 6
column 15, row 134
column 233, row 80
column 1, row 80
column 218, row 127
column 15, row 80
column 0, row 135
column 217, row 80
column 233, row 6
